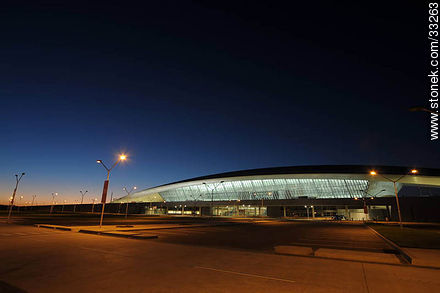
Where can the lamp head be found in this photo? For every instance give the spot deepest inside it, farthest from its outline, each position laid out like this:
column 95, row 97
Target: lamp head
column 373, row 172
column 99, row 161
column 414, row 171
column 122, row 157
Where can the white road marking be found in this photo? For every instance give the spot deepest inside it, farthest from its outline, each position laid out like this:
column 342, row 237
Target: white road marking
column 247, row 275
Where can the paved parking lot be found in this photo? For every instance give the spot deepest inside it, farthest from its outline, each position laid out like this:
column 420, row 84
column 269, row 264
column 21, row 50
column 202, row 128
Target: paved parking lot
column 40, row 260
column 228, row 258
column 266, row 235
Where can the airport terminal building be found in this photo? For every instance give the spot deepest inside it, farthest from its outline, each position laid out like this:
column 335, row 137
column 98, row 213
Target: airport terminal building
column 350, row 191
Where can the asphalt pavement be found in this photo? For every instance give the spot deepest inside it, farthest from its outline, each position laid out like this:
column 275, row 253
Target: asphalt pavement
column 238, row 257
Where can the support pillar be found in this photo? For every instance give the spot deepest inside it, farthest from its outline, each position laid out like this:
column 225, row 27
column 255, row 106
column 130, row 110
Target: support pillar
column 284, row 212
column 313, row 212
column 347, row 213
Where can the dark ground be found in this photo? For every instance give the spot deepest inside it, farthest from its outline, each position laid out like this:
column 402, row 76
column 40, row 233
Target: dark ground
column 230, row 255
column 240, row 233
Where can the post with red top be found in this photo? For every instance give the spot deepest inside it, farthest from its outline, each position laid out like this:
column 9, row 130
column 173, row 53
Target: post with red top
column 105, row 188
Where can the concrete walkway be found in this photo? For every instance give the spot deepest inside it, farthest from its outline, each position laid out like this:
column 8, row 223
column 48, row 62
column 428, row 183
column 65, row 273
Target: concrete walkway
column 45, row 260
column 424, row 257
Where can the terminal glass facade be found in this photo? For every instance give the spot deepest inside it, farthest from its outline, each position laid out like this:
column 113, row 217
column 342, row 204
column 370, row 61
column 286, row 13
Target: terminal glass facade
column 258, row 189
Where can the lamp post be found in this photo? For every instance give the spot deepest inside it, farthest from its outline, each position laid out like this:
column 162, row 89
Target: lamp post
column 93, row 204
column 413, row 171
column 421, row 109
column 19, row 202
column 53, row 200
column 62, row 210
column 128, row 200
column 364, row 199
column 105, row 188
column 33, row 199
column 82, row 195
column 212, row 195
column 17, row 180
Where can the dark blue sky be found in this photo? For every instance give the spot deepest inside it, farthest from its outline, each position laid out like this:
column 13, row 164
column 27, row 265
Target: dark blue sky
column 189, row 88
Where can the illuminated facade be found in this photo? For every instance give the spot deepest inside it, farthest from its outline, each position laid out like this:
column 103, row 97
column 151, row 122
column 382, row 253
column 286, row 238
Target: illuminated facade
column 287, row 183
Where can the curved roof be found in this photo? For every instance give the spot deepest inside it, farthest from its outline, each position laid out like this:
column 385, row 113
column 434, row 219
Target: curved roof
column 314, row 169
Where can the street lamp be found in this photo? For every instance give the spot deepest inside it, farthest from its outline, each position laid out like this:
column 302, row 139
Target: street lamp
column 33, row 199
column 82, row 195
column 364, row 197
column 93, row 204
column 307, row 212
column 122, row 157
column 53, row 200
column 62, row 210
column 413, row 171
column 19, row 202
column 17, row 180
column 421, row 109
column 212, row 195
column 128, row 200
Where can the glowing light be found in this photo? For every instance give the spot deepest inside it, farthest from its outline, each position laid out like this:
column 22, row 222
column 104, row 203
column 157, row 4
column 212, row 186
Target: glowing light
column 373, row 173
column 414, row 171
column 98, row 161
column 122, row 157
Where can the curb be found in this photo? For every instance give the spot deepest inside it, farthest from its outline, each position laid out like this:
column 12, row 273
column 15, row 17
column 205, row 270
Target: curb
column 53, row 227
column 134, row 236
column 405, row 256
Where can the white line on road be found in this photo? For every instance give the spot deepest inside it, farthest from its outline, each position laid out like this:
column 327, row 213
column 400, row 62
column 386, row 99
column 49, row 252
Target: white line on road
column 248, row 275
